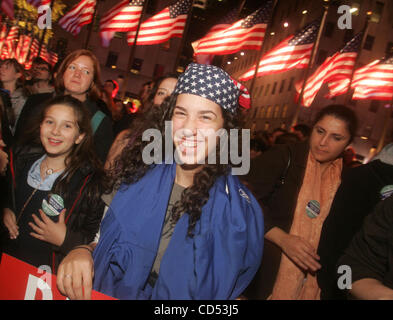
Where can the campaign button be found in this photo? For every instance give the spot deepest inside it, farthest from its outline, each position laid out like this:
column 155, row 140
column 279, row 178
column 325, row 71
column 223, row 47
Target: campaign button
column 53, row 205
column 386, row 191
column 313, row 209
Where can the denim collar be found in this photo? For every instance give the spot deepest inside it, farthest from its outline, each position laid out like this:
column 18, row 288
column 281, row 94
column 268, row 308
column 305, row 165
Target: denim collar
column 34, row 176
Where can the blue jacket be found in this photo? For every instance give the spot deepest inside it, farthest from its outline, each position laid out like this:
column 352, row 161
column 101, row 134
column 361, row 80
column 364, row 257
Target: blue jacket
column 217, row 263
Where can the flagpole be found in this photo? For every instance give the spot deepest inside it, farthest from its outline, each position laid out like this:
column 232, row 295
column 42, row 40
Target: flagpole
column 365, row 31
column 310, row 64
column 183, row 38
column 132, row 52
column 385, row 126
column 44, row 32
column 263, row 46
column 91, row 26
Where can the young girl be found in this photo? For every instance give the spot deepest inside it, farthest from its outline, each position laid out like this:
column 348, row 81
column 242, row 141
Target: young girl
column 185, row 230
column 55, row 187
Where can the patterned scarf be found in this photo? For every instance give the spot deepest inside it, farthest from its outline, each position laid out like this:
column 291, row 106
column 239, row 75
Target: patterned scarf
column 293, row 283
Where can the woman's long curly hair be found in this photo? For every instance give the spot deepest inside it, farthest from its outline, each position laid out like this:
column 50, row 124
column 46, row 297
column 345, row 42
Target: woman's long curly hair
column 129, row 167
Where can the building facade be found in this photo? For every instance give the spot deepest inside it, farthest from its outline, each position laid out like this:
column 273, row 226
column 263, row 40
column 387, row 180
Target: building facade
column 273, row 96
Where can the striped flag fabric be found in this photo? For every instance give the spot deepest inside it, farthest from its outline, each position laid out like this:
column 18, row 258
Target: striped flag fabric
column 34, row 47
column 48, row 56
column 7, row 6
column 225, row 23
column 3, row 35
column 245, row 34
column 334, row 70
column 25, row 48
column 166, row 24
column 18, row 49
column 374, row 81
column 10, row 41
column 124, row 17
column 80, row 15
column 338, row 82
column 293, row 52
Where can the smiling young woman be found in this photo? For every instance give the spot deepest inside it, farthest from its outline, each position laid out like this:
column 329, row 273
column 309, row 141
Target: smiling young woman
column 295, row 186
column 172, row 228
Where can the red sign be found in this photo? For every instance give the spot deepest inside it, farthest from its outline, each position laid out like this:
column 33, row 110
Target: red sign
column 22, row 281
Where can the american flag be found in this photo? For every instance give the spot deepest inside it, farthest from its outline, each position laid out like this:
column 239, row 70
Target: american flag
column 22, row 48
column 34, row 47
column 37, row 3
column 80, row 15
column 3, row 35
column 48, row 56
column 334, row 70
column 293, row 52
column 247, row 33
column 338, row 82
column 166, row 24
column 12, row 36
column 7, row 6
column 25, row 48
column 226, row 22
column 123, row 17
column 374, row 81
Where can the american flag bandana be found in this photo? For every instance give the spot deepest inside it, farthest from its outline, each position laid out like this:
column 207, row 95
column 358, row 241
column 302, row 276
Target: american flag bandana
column 213, row 83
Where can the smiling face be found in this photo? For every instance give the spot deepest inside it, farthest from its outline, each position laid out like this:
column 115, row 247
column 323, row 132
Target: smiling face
column 329, row 138
column 59, row 130
column 78, row 77
column 196, row 121
column 164, row 90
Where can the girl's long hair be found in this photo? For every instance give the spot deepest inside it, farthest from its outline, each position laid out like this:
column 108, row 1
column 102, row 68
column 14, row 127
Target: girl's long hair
column 129, row 167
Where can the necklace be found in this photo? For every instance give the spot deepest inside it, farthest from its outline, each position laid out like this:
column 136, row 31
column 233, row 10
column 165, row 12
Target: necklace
column 49, row 171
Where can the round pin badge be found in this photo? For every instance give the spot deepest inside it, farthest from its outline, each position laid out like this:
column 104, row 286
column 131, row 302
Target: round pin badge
column 386, row 191
column 313, row 209
column 53, row 205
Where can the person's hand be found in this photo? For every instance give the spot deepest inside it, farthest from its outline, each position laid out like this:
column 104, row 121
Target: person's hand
column 75, row 275
column 9, row 220
column 47, row 230
column 300, row 252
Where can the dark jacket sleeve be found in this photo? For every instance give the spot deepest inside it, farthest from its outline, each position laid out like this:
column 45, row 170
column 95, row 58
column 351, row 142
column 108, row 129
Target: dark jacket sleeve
column 6, row 133
column 103, row 138
column 356, row 197
column 263, row 178
column 82, row 231
column 369, row 254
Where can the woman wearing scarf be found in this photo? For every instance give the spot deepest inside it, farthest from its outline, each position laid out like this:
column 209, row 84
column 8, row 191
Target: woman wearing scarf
column 295, row 186
column 176, row 230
